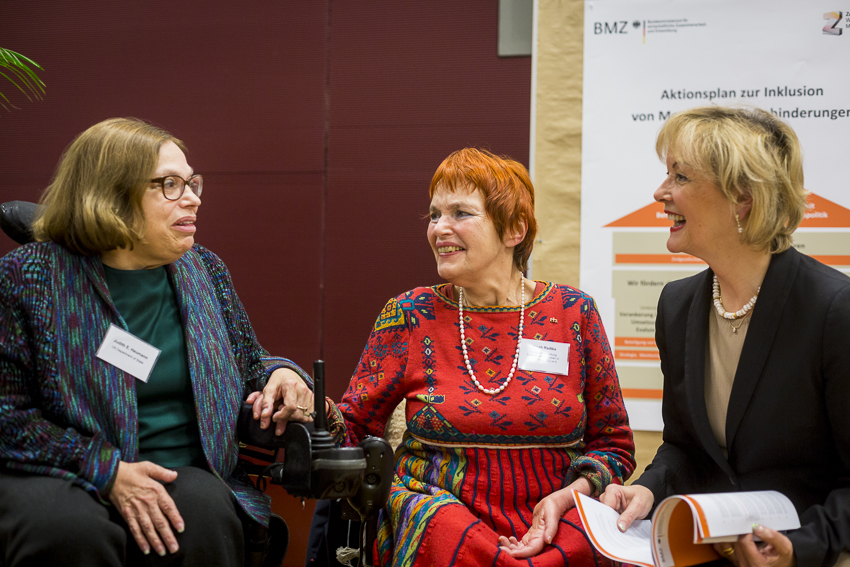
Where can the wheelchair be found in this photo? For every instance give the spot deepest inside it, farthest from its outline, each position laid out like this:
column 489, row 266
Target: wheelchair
column 303, row 460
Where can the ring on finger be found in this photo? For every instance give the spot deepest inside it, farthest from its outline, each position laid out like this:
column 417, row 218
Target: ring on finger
column 303, row 408
column 728, row 552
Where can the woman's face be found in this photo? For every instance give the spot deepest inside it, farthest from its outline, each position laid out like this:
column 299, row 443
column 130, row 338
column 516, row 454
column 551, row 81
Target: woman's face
column 703, row 219
column 169, row 225
column 464, row 240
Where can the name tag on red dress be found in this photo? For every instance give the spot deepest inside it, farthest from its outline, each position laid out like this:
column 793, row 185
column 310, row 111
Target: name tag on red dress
column 544, row 356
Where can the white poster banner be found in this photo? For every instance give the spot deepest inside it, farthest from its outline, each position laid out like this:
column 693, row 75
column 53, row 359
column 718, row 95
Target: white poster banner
column 646, row 59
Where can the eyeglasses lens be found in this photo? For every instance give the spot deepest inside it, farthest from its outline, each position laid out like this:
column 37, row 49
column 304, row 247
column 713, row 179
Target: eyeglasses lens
column 196, row 184
column 172, row 187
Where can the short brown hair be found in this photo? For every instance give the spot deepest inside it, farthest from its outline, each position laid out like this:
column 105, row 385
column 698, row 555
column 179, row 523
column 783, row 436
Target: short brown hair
column 94, row 202
column 507, row 189
column 746, row 152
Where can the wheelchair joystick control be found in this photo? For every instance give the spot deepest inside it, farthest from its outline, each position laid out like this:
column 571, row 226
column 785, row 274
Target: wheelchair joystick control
column 320, row 438
column 336, row 472
column 314, row 467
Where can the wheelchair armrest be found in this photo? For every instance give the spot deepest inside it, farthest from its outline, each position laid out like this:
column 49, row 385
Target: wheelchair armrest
column 249, row 432
column 313, row 467
column 307, row 472
column 374, row 491
column 16, row 218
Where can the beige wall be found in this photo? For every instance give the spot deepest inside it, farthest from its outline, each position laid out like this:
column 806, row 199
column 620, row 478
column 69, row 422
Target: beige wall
column 557, row 156
column 557, row 140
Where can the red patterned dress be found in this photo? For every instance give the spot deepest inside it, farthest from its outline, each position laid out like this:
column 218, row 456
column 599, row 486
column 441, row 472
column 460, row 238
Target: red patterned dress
column 472, row 466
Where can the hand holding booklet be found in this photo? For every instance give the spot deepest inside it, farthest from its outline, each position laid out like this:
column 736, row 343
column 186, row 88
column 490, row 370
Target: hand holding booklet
column 682, row 526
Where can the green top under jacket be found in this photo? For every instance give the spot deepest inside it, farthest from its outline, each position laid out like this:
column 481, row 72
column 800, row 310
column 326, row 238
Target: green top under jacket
column 168, row 426
column 68, row 414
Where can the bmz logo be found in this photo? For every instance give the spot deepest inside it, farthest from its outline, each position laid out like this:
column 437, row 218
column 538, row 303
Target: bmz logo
column 612, row 28
column 834, row 18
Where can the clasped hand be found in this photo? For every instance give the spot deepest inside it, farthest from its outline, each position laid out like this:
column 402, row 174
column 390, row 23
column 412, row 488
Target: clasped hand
column 774, row 549
column 285, row 398
column 545, row 521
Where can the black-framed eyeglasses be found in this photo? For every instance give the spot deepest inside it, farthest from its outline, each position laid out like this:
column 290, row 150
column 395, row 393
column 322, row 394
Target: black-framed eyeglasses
column 174, row 185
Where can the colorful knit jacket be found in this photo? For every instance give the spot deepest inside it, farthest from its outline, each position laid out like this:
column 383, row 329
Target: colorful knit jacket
column 67, row 414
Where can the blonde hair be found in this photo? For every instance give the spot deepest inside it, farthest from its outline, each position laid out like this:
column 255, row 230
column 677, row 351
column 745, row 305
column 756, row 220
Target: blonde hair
column 94, row 202
column 746, row 152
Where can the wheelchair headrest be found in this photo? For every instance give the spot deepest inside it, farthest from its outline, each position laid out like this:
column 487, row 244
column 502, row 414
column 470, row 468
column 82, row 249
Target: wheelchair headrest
column 16, row 218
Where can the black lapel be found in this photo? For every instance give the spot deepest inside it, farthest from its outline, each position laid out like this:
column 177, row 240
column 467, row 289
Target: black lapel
column 696, row 342
column 765, row 323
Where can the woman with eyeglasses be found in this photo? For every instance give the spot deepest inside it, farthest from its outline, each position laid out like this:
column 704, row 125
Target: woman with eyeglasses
column 125, row 355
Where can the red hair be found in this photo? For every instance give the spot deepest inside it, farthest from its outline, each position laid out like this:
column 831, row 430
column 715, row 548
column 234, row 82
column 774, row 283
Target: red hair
column 507, row 189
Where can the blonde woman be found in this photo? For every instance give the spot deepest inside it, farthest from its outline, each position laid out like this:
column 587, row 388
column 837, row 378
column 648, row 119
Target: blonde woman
column 754, row 350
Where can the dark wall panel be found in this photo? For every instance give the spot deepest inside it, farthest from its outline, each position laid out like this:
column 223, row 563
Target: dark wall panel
column 243, row 82
column 266, row 230
column 410, row 83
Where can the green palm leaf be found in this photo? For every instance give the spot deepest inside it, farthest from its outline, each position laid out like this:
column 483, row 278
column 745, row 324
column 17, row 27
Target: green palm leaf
column 20, row 71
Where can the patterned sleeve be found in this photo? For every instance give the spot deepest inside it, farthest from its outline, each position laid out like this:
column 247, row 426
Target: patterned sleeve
column 376, row 386
column 609, row 449
column 29, row 441
column 256, row 364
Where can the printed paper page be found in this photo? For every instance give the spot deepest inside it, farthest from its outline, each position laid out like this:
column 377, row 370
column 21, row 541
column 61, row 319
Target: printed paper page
column 674, row 535
column 600, row 522
column 733, row 513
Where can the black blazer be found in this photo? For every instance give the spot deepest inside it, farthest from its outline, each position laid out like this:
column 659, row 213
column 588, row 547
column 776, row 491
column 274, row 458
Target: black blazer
column 788, row 422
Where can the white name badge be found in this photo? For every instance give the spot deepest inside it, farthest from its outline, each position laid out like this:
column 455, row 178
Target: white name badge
column 128, row 352
column 544, row 356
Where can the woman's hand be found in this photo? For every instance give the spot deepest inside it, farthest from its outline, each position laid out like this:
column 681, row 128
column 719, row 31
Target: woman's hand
column 774, row 550
column 545, row 522
column 142, row 501
column 285, row 398
column 632, row 502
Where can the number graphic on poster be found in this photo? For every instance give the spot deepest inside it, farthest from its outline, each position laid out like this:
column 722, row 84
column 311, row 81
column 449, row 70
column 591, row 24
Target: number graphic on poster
column 834, row 18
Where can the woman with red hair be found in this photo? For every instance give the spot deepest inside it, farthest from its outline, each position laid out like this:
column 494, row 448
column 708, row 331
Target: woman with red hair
column 512, row 396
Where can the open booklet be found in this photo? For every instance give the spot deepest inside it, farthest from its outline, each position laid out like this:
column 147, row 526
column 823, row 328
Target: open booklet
column 682, row 525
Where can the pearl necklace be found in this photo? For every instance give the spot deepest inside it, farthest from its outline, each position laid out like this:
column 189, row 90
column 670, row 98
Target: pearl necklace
column 718, row 304
column 494, row 391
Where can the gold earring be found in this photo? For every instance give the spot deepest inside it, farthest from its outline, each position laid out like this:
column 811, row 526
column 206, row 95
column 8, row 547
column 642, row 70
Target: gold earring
column 738, row 222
